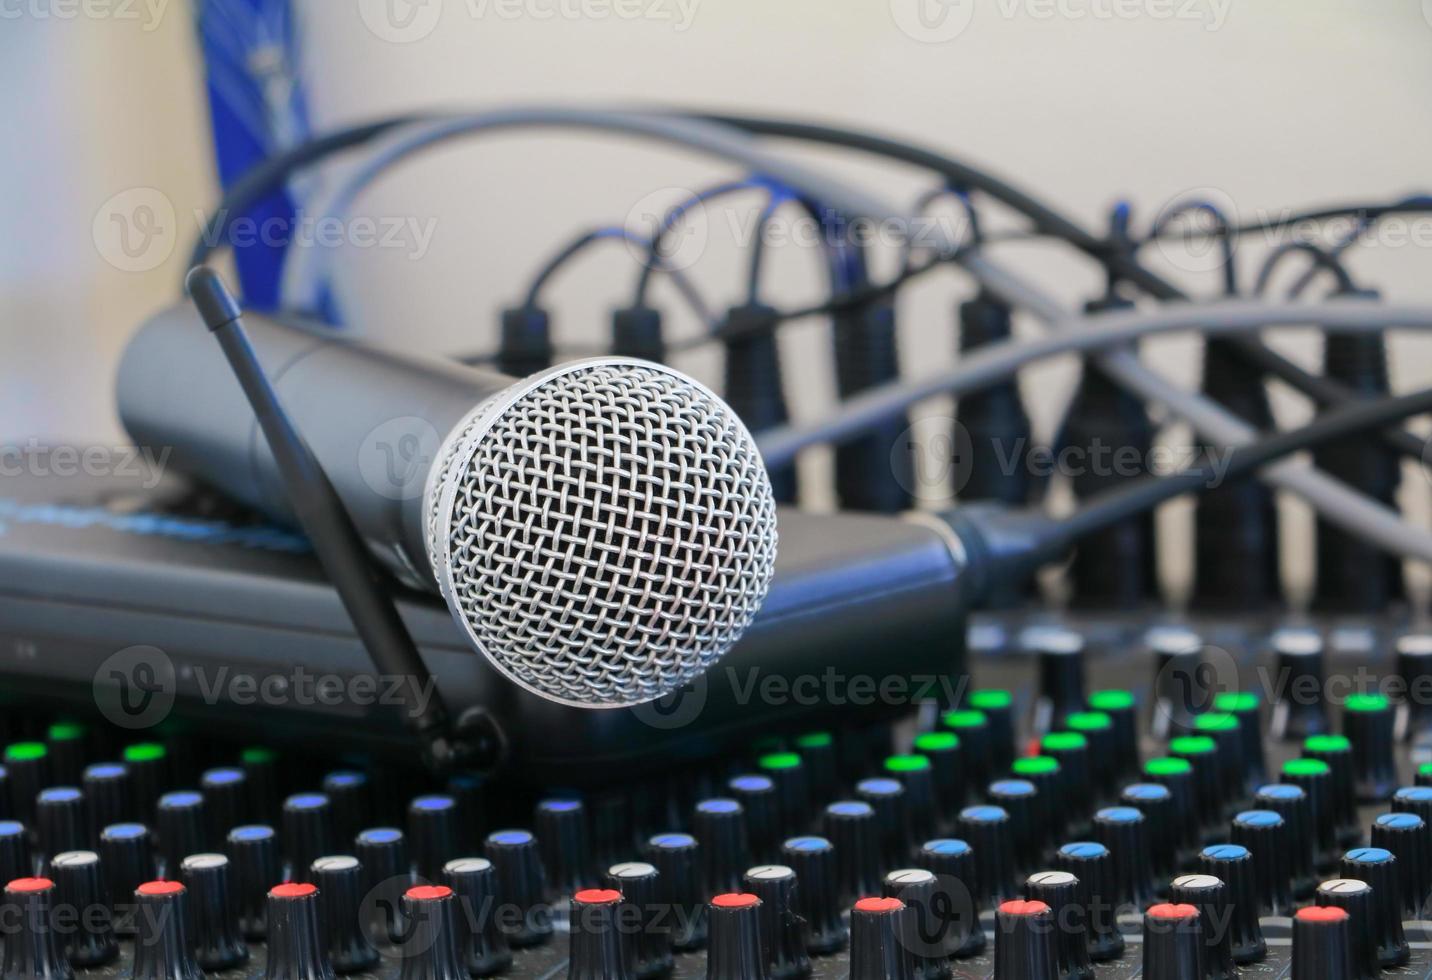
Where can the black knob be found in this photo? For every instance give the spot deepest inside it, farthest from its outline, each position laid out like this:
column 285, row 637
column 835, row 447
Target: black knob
column 947, row 769
column 67, row 742
column 720, row 826
column 677, row 859
column 350, row 796
column 972, row 728
column 1379, row 869
column 253, row 851
column 1098, row 730
column 1047, row 777
column 260, row 765
column 850, row 827
column 1299, row 710
column 127, row 856
column 1354, row 898
column 787, row 771
column 817, row 900
column 1020, row 799
column 953, row 862
column 161, row 944
column 15, row 859
column 1060, row 891
column 1247, row 708
column 1123, row 830
column 522, row 884
column 818, row 752
column 1061, row 676
column 1292, row 804
column 1233, row 865
column 988, row 831
column 1414, row 670
column 1173, row 943
column 307, row 832
column 735, row 938
column 62, row 820
column 1314, row 778
column 1161, row 823
column 1264, row 834
column 1176, row 775
column 182, row 828
column 997, row 707
column 782, row 936
column 649, row 932
column 88, row 935
column 1123, row 710
column 429, row 947
column 295, row 946
column 1407, row 837
column 596, row 951
column 106, row 789
column 1227, row 738
column 1368, row 723
column 757, row 796
column 1025, row 942
column 218, row 942
column 340, row 897
column 892, row 818
column 1201, row 753
column 916, row 774
column 432, row 828
column 1336, row 752
column 561, row 827
column 32, row 948
column 148, row 764
column 1320, row 945
column 27, row 771
column 481, row 944
column 1093, row 865
column 226, row 798
column 1208, row 895
column 877, row 947
column 383, row 854
column 1071, row 751
column 1179, row 683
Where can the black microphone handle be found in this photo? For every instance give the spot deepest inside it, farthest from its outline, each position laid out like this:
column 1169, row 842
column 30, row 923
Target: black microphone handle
column 375, row 418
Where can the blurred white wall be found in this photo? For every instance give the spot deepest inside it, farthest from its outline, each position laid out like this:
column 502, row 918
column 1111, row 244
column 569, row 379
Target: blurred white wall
column 1267, row 106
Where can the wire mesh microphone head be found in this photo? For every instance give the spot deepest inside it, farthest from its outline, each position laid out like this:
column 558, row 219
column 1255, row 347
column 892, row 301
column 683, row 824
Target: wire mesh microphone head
column 604, row 531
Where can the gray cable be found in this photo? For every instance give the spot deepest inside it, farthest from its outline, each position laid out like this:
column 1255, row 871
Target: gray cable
column 304, row 268
column 1098, row 332
column 1339, row 503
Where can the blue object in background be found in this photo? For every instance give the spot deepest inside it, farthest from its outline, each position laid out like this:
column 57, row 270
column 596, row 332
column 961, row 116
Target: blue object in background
column 257, row 108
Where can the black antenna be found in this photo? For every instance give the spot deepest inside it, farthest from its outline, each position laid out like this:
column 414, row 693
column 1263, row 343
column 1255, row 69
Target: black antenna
column 339, row 547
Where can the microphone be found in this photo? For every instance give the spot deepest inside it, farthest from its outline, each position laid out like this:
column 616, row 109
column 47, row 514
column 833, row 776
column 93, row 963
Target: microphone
column 603, row 531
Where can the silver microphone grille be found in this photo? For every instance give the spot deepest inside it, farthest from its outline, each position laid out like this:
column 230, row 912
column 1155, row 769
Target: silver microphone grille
column 603, row 531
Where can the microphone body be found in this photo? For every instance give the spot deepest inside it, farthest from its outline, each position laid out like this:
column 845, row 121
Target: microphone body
column 374, row 418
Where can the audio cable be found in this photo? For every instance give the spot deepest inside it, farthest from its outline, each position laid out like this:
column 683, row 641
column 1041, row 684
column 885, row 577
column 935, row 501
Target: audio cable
column 1235, row 527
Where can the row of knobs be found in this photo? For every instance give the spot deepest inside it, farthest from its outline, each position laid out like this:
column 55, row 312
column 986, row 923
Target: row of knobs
column 183, row 928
